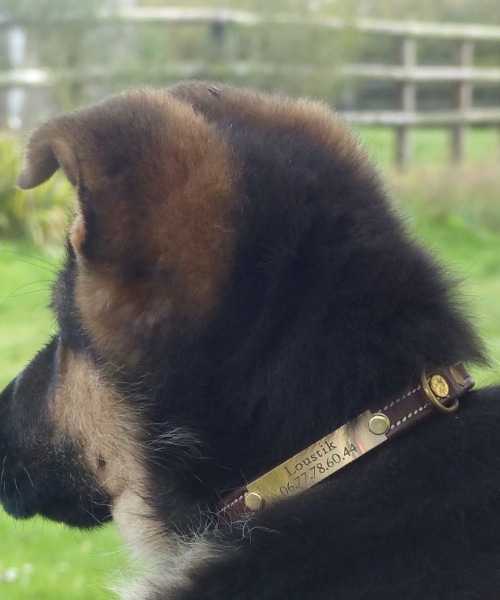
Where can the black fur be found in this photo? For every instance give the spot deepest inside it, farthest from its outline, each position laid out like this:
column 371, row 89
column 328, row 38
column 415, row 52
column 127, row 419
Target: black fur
column 329, row 305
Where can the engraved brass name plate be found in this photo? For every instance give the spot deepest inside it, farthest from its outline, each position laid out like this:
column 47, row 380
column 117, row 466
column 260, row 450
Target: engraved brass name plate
column 319, row 461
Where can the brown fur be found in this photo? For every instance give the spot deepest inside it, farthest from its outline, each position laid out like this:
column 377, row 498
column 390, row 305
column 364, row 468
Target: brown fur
column 87, row 409
column 169, row 240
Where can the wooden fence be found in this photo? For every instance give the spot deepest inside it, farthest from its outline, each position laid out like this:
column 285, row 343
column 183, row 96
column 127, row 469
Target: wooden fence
column 405, row 74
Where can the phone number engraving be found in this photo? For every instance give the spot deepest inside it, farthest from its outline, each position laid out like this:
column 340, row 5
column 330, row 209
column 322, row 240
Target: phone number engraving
column 317, row 466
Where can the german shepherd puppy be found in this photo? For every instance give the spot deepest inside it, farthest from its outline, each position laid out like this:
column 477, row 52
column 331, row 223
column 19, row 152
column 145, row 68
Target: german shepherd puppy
column 236, row 289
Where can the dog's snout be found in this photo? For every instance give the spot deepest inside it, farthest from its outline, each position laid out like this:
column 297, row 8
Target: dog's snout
column 22, row 426
column 12, row 469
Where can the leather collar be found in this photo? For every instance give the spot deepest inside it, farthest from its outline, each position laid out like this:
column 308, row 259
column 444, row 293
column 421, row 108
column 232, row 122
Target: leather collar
column 437, row 390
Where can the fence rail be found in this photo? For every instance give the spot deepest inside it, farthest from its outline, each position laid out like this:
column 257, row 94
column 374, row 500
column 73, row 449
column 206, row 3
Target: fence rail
column 405, row 74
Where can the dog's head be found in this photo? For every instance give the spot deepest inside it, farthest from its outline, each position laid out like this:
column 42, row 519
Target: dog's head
column 235, row 286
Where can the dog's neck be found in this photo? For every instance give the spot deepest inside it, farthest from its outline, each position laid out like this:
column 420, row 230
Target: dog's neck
column 436, row 391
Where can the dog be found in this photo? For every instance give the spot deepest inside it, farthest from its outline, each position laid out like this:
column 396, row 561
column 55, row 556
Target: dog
column 258, row 373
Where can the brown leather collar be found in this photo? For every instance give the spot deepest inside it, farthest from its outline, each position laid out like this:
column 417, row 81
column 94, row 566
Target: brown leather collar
column 438, row 390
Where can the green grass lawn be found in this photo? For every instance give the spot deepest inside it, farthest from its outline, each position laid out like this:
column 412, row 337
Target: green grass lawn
column 455, row 212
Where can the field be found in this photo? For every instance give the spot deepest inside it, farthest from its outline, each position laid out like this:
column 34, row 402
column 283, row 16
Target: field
column 457, row 213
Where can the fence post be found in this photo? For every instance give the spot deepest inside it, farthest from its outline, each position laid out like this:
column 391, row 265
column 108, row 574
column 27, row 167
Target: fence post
column 222, row 39
column 218, row 38
column 407, row 101
column 462, row 101
column 16, row 46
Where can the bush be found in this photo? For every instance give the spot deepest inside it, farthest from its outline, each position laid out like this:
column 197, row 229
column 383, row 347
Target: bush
column 38, row 215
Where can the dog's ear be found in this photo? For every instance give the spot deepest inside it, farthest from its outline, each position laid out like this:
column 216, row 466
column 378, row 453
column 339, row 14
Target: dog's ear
column 137, row 161
column 44, row 156
column 155, row 191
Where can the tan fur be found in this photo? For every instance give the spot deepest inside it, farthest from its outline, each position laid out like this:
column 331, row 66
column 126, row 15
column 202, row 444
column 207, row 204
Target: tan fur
column 88, row 410
column 174, row 572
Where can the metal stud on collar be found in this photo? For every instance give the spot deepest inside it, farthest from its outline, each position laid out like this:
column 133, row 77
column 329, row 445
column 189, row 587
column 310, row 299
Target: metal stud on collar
column 436, row 388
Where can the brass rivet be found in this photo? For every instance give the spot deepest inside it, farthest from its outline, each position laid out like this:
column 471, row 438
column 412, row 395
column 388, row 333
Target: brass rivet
column 379, row 424
column 253, row 501
column 457, row 375
column 439, row 386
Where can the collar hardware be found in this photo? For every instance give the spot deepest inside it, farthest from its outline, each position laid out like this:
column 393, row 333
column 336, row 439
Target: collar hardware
column 437, row 390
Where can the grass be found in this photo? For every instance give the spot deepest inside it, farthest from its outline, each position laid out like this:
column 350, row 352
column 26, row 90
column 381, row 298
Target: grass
column 26, row 276
column 455, row 212
column 431, row 146
column 45, row 560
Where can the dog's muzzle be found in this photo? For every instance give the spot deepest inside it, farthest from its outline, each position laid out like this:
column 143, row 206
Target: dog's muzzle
column 42, row 472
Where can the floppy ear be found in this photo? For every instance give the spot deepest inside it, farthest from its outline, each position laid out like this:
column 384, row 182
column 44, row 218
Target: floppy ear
column 51, row 146
column 43, row 157
column 104, row 152
column 155, row 189
column 137, row 161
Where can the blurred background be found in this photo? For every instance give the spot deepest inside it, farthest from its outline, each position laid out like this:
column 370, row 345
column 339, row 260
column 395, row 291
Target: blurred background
column 419, row 80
